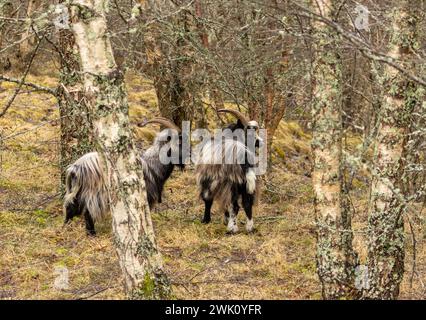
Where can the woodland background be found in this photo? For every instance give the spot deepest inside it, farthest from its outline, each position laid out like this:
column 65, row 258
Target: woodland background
column 344, row 108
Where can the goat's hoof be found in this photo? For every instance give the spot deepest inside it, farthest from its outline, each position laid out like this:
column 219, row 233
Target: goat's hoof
column 249, row 226
column 232, row 229
column 205, row 221
column 231, row 232
column 91, row 233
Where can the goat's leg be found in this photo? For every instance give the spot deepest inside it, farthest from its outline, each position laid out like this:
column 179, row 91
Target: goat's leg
column 233, row 212
column 72, row 209
column 226, row 218
column 207, row 211
column 90, row 225
column 248, row 201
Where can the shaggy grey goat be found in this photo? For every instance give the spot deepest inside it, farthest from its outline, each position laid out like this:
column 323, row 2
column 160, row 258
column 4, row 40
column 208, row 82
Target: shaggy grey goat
column 229, row 181
column 86, row 190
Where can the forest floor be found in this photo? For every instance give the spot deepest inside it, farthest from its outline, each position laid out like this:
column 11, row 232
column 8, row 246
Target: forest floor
column 275, row 262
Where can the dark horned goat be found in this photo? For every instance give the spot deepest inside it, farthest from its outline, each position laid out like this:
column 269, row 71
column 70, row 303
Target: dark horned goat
column 86, row 190
column 229, row 182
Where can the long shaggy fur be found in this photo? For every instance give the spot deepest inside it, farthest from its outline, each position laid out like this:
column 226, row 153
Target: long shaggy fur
column 222, row 167
column 86, row 182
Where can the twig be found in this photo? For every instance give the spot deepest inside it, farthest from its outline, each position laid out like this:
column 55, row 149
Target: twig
column 96, row 293
column 29, row 84
column 413, row 238
column 365, row 48
column 39, row 206
column 21, row 82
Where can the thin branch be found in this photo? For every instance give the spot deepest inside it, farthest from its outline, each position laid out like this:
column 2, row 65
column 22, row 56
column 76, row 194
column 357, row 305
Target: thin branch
column 414, row 259
column 364, row 47
column 21, row 82
column 29, row 84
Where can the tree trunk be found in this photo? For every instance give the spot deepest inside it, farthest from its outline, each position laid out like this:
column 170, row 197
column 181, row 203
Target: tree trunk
column 76, row 127
column 199, row 14
column 105, row 93
column 28, row 41
column 386, row 224
column 6, row 10
column 174, row 91
column 336, row 259
column 171, row 94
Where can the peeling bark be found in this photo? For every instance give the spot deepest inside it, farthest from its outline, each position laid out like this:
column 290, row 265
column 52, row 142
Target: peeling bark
column 336, row 259
column 104, row 89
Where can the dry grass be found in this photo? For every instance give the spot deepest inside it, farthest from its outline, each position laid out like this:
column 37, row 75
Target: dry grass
column 276, row 262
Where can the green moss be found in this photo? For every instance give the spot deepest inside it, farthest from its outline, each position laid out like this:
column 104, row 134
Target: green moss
column 41, row 221
column 11, row 185
column 41, row 214
column 152, row 287
column 148, row 286
column 280, row 152
column 302, row 267
column 295, row 129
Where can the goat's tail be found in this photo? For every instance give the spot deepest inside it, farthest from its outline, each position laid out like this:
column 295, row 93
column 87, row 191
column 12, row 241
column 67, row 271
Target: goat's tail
column 85, row 184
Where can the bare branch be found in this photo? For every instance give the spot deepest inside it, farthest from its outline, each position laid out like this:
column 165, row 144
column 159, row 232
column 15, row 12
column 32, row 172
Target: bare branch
column 21, row 82
column 35, row 86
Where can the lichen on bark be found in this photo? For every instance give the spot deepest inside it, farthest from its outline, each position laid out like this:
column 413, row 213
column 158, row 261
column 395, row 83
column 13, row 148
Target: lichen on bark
column 106, row 99
column 387, row 203
column 336, row 259
column 76, row 126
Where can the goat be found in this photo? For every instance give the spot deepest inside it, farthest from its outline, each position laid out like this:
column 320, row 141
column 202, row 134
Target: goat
column 86, row 189
column 228, row 183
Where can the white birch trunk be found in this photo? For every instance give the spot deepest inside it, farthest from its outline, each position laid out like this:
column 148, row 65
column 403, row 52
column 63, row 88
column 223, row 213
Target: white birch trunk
column 336, row 259
column 386, row 224
column 104, row 89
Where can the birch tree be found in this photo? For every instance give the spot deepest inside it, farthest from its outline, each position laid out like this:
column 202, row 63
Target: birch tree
column 336, row 259
column 106, row 99
column 387, row 204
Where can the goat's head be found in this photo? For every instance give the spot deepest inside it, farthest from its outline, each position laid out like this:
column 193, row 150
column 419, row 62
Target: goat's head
column 172, row 135
column 248, row 126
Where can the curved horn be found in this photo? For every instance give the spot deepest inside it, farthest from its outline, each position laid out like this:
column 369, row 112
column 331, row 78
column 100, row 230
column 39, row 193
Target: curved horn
column 164, row 121
column 237, row 114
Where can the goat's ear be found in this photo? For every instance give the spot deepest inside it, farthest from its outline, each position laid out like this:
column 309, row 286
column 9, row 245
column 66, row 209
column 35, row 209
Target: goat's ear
column 240, row 124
